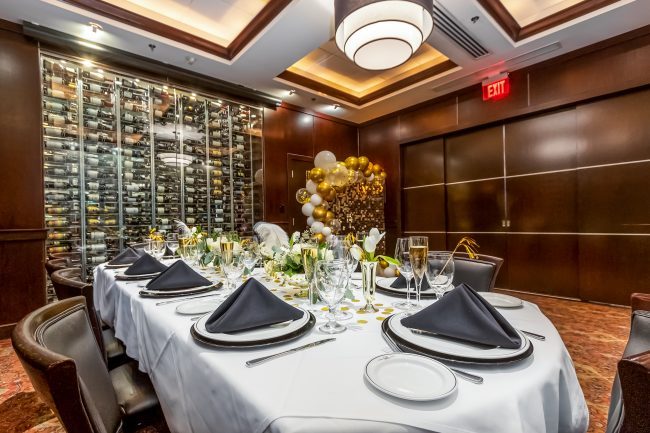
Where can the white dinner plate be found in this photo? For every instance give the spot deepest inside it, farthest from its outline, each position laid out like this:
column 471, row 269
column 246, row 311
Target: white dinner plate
column 499, row 300
column 454, row 348
column 118, row 266
column 410, row 377
column 198, row 306
column 120, row 275
column 257, row 334
column 174, row 292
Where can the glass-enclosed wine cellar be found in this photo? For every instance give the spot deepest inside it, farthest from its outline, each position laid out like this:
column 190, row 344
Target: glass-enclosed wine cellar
column 122, row 155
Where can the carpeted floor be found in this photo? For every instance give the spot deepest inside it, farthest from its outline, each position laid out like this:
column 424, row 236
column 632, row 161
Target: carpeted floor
column 595, row 335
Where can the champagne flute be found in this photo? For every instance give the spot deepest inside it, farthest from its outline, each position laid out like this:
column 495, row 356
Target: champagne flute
column 418, row 249
column 227, row 250
column 402, row 256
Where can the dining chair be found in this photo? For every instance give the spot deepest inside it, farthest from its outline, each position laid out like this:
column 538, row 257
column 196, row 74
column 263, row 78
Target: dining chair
column 74, row 257
column 56, row 265
column 56, row 346
column 498, row 262
column 479, row 274
column 629, row 404
column 67, row 284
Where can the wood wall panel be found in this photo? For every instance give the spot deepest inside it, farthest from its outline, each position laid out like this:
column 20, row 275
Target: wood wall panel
column 614, row 130
column 474, row 155
column 423, row 209
column 423, row 163
column 542, row 203
column 542, row 143
column 335, row 137
column 614, row 199
column 543, row 264
column 429, row 120
column 613, row 267
column 475, row 206
column 437, row 241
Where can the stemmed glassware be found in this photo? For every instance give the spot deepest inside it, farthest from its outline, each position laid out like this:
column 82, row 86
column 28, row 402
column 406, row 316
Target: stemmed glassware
column 338, row 249
column 331, row 278
column 172, row 243
column 158, row 248
column 403, row 257
column 234, row 269
column 250, row 260
column 440, row 271
column 418, row 250
column 148, row 248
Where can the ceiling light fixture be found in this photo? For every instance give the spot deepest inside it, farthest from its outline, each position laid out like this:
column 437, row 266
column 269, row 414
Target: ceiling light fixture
column 175, row 159
column 382, row 34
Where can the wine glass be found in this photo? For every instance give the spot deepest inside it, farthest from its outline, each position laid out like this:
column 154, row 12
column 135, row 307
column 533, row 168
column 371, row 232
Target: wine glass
column 234, row 269
column 337, row 249
column 331, row 279
column 440, row 271
column 418, row 249
column 250, row 260
column 147, row 246
column 158, row 248
column 172, row 243
column 403, row 257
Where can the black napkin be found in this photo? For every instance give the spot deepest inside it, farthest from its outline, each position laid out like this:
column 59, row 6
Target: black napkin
column 168, row 252
column 145, row 265
column 178, row 276
column 400, row 283
column 250, row 306
column 126, row 257
column 465, row 315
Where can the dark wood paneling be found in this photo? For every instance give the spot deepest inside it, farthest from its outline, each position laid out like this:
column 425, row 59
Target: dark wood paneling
column 380, row 143
column 474, row 155
column 614, row 199
column 614, row 130
column 543, row 264
column 285, row 131
column 490, row 245
column 541, row 143
column 423, row 163
column 429, row 120
column 542, row 203
column 423, row 209
column 613, row 267
column 475, row 206
column 335, row 137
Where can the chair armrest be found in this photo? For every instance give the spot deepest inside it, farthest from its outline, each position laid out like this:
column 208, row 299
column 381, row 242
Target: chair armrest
column 640, row 301
column 634, row 373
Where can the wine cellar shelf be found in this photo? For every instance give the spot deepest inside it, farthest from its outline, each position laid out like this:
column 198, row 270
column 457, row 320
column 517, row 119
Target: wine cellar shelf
column 123, row 155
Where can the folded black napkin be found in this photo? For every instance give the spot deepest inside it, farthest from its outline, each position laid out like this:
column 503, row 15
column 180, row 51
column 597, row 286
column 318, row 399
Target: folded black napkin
column 168, row 252
column 400, row 283
column 465, row 315
column 145, row 265
column 250, row 306
column 126, row 257
column 178, row 276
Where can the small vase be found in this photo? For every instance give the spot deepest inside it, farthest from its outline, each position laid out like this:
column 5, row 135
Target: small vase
column 368, row 280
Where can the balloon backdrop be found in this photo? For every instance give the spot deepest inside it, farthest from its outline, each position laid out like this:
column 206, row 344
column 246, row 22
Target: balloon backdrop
column 328, row 177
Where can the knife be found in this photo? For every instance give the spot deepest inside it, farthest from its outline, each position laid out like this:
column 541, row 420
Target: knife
column 262, row 360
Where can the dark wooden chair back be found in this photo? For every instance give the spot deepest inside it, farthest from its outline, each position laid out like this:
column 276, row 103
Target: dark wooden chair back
column 56, row 265
column 497, row 261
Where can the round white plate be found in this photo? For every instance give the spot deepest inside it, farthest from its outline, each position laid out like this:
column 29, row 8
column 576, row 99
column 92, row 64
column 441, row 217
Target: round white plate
column 172, row 292
column 198, row 306
column 266, row 332
column 410, row 377
column 454, row 348
column 502, row 301
column 120, row 275
column 117, row 266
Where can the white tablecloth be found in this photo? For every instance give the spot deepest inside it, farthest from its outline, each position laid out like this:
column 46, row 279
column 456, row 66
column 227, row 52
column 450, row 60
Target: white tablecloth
column 204, row 390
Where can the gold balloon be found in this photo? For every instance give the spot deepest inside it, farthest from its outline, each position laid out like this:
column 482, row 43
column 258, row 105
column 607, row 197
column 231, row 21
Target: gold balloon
column 317, row 174
column 331, row 196
column 329, row 216
column 376, row 169
column 363, row 163
column 352, row 162
column 302, row 196
column 319, row 213
column 368, row 172
column 338, row 176
column 383, row 263
column 324, row 189
column 383, row 175
column 369, row 168
column 320, row 238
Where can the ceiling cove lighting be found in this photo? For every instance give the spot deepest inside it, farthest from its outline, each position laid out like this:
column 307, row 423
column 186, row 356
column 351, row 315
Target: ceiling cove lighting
column 382, row 34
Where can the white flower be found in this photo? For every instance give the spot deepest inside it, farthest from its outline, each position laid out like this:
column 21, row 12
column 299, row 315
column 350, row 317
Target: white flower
column 356, row 252
column 295, row 250
column 295, row 237
column 371, row 241
column 212, row 244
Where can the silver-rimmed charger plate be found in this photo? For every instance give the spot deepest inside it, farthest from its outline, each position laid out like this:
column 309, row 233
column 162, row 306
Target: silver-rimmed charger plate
column 410, row 377
column 383, row 286
column 447, row 349
column 109, row 266
column 120, row 276
column 499, row 300
column 259, row 337
column 146, row 293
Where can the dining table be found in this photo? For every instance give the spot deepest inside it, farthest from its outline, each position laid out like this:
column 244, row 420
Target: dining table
column 204, row 389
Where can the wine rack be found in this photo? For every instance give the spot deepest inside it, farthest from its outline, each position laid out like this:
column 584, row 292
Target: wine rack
column 122, row 155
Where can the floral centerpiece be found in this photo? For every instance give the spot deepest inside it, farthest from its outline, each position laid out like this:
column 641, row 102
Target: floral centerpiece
column 285, row 259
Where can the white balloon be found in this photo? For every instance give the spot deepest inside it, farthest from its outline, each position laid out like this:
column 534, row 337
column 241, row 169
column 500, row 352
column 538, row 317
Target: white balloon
column 325, row 160
column 317, row 227
column 311, row 186
column 307, row 209
column 316, row 199
column 326, row 231
column 389, row 272
column 371, row 178
column 310, row 221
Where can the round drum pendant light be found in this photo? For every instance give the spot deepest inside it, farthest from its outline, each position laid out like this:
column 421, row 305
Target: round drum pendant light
column 382, row 34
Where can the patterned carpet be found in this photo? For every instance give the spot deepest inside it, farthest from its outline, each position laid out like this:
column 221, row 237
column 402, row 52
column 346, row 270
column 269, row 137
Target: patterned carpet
column 595, row 335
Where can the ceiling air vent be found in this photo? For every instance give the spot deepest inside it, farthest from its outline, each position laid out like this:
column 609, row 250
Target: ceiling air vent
column 444, row 22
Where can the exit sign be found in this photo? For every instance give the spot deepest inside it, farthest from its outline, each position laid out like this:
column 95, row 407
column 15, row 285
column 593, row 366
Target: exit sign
column 496, row 88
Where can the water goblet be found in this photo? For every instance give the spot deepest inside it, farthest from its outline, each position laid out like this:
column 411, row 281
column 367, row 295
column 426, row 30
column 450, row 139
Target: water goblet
column 440, row 271
column 234, row 269
column 331, row 278
column 172, row 243
column 158, row 248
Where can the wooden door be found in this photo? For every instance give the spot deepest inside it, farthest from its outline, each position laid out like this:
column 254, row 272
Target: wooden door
column 297, row 167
